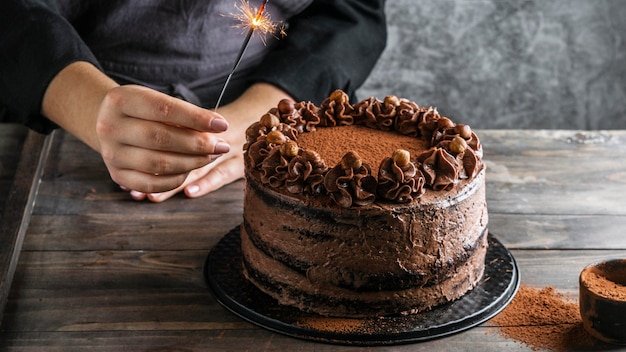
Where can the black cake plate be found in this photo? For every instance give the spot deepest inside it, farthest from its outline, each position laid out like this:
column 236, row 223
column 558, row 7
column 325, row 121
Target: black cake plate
column 223, row 274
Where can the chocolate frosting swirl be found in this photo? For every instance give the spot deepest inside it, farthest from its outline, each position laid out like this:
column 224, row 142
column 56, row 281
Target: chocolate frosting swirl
column 257, row 152
column 252, row 134
column 289, row 115
column 336, row 111
column 274, row 168
column 306, row 173
column 375, row 114
column 455, row 153
column 439, row 168
column 468, row 155
column 401, row 184
column 268, row 123
column 351, row 186
column 310, row 114
column 472, row 163
column 474, row 143
column 429, row 122
column 288, row 130
column 408, row 116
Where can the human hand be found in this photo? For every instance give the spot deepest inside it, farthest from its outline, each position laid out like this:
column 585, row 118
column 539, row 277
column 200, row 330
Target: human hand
column 241, row 113
column 150, row 142
column 206, row 179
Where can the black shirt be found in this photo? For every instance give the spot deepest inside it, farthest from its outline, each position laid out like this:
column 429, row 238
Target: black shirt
column 184, row 45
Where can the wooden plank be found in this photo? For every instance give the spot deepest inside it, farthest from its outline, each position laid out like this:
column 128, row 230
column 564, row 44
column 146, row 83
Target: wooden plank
column 73, row 160
column 18, row 207
column 590, row 178
column 530, row 231
column 151, row 231
column 102, row 196
column 121, row 309
column 235, row 340
column 126, row 269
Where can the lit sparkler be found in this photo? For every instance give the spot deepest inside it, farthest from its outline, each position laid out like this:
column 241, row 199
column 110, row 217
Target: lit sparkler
column 252, row 20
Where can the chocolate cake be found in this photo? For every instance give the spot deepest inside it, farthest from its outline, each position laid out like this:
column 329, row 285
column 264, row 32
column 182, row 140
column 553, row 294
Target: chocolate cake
column 365, row 209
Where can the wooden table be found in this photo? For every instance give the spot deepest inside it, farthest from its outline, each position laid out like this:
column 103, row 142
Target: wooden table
column 100, row 272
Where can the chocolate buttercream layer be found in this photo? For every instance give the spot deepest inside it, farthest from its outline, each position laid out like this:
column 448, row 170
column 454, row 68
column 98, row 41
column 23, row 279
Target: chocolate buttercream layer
column 292, row 288
column 382, row 250
column 382, row 247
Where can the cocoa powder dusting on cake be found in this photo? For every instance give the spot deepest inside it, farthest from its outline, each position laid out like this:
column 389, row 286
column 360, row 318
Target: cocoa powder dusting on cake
column 372, row 145
column 543, row 319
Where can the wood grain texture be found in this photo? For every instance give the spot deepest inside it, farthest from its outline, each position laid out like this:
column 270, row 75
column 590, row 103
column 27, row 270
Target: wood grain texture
column 99, row 271
column 17, row 208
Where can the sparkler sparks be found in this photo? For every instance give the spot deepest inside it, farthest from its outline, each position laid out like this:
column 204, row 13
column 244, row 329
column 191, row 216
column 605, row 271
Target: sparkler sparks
column 252, row 20
column 259, row 20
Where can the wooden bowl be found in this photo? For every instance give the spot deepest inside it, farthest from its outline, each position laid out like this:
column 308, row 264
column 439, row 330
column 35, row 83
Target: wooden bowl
column 603, row 300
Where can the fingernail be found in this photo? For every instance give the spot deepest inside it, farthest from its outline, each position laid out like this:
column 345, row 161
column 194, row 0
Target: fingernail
column 136, row 194
column 219, row 125
column 193, row 189
column 221, row 148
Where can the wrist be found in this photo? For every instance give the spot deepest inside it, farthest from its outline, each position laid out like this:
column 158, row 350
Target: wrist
column 73, row 97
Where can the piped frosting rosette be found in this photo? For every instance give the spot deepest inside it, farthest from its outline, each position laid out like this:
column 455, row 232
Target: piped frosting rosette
column 454, row 151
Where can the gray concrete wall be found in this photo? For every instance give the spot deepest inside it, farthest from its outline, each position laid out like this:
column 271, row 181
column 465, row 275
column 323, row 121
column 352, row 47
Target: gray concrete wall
column 556, row 64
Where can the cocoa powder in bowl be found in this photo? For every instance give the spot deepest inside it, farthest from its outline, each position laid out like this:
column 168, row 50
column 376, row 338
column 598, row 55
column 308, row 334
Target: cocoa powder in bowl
column 603, row 300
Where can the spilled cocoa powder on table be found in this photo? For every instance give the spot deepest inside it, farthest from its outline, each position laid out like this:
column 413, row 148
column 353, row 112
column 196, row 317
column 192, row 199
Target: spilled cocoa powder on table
column 543, row 319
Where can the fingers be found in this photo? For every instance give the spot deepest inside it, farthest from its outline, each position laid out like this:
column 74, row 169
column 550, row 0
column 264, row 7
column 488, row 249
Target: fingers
column 137, row 101
column 139, row 196
column 201, row 181
column 136, row 116
column 228, row 170
column 146, row 183
column 164, row 137
column 156, row 162
column 150, row 141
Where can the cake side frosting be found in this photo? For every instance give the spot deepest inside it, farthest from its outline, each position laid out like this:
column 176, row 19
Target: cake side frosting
column 382, row 246
column 290, row 288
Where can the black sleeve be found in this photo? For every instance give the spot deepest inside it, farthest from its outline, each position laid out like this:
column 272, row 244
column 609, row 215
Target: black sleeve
column 333, row 44
column 36, row 42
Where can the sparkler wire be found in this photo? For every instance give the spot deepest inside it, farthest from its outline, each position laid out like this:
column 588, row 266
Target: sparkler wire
column 244, row 46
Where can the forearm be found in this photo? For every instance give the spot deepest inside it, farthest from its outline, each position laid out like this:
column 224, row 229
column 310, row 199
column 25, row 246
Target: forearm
column 73, row 98
column 37, row 43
